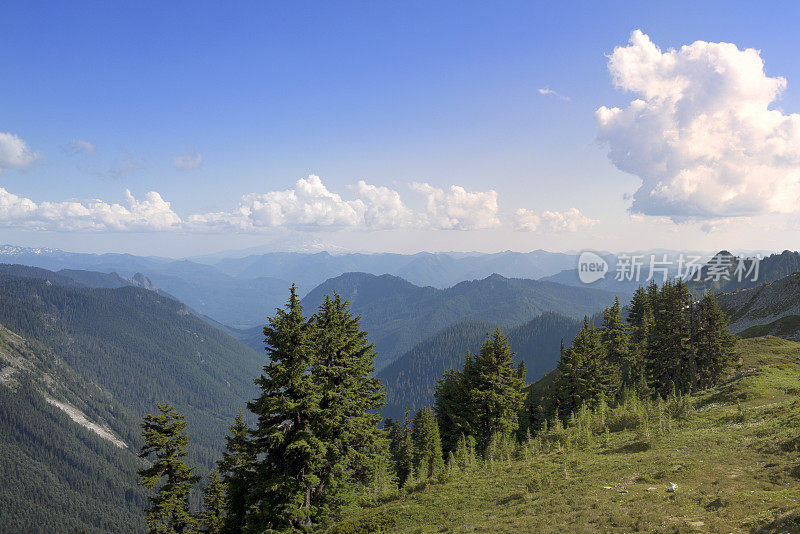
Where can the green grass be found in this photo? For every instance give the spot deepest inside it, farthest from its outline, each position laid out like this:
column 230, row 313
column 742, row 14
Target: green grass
column 735, row 459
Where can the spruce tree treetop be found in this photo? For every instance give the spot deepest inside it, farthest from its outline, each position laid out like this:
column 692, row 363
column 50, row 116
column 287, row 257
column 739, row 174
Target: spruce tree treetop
column 164, row 438
column 236, row 470
column 428, row 459
column 343, row 368
column 284, row 442
column 212, row 516
column 496, row 390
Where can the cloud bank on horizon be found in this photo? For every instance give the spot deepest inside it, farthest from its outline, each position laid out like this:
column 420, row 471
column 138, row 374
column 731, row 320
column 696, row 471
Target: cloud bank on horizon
column 700, row 133
column 309, row 205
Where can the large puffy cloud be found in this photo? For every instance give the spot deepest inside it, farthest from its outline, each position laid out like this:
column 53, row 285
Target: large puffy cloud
column 383, row 207
column 571, row 220
column 458, row 209
column 310, row 205
column 700, row 133
column 152, row 213
column 14, row 152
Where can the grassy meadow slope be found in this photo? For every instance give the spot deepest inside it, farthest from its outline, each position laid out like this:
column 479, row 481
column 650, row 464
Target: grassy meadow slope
column 733, row 452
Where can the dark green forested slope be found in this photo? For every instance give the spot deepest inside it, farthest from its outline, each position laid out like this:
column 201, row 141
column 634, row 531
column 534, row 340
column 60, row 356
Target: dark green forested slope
column 56, row 475
column 110, row 355
column 411, row 379
column 398, row 314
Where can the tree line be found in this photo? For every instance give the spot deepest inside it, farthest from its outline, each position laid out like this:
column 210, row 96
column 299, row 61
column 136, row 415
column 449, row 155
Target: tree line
column 318, row 449
column 669, row 343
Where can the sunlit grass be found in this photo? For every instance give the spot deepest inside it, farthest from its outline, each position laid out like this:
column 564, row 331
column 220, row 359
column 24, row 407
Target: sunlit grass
column 735, row 459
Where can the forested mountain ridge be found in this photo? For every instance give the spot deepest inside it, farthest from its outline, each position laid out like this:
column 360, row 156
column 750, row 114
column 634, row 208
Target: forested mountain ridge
column 237, row 302
column 398, row 314
column 411, row 379
column 138, row 345
column 105, row 356
column 67, row 447
column 76, row 277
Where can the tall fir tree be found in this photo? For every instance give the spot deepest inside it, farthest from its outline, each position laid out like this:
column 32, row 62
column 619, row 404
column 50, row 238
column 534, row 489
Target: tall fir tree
column 713, row 341
column 169, row 475
column 236, row 471
column 401, row 448
column 615, row 339
column 289, row 455
column 640, row 303
column 584, row 373
column 522, row 371
column 343, row 368
column 428, row 460
column 213, row 515
column 640, row 323
column 670, row 352
column 496, row 390
column 451, row 406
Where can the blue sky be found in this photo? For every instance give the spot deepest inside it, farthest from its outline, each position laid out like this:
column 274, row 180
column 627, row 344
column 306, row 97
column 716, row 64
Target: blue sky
column 254, row 97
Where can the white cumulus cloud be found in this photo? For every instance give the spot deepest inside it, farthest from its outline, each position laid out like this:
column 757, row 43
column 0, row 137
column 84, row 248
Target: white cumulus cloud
column 152, row 213
column 310, row 205
column 700, row 132
column 458, row 209
column 14, row 152
column 383, row 207
column 571, row 220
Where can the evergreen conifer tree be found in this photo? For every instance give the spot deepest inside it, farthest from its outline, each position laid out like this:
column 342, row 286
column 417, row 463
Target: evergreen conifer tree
column 496, row 394
column 343, row 368
column 428, row 460
column 402, row 448
column 452, row 408
column 617, row 346
column 585, row 376
column 714, row 343
column 213, row 515
column 522, row 371
column 169, row 475
column 235, row 468
column 670, row 352
column 289, row 455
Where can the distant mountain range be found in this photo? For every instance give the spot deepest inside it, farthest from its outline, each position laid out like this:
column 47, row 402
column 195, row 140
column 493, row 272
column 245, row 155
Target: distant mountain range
column 241, row 292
